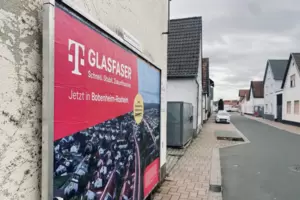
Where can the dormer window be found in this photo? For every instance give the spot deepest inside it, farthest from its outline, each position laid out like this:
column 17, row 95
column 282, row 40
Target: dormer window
column 292, row 81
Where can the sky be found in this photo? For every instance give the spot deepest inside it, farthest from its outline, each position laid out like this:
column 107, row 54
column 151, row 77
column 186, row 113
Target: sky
column 239, row 36
column 149, row 82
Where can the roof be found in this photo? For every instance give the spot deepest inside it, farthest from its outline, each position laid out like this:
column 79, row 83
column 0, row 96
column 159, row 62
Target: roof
column 258, row 89
column 211, row 82
column 277, row 68
column 184, row 43
column 205, row 75
column 243, row 93
column 231, row 102
column 296, row 57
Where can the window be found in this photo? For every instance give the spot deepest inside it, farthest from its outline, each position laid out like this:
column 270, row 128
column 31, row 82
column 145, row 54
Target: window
column 288, row 107
column 271, row 92
column 292, row 80
column 266, row 108
column 296, row 107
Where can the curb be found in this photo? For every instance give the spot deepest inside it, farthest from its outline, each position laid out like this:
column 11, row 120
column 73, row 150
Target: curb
column 265, row 121
column 215, row 181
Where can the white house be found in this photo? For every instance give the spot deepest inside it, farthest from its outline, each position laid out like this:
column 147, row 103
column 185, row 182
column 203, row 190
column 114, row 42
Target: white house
column 291, row 91
column 184, row 65
column 243, row 94
column 255, row 100
column 273, row 77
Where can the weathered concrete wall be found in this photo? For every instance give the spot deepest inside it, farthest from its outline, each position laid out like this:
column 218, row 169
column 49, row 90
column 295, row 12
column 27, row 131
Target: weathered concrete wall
column 20, row 79
column 20, row 95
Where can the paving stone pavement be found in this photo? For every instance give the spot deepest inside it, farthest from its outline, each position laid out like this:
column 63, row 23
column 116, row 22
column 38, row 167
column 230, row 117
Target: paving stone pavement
column 173, row 156
column 285, row 127
column 190, row 177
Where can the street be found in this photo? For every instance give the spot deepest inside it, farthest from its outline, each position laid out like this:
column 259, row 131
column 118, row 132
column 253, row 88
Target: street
column 264, row 168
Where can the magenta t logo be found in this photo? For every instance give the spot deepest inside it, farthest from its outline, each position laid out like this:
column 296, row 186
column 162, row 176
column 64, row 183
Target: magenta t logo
column 78, row 48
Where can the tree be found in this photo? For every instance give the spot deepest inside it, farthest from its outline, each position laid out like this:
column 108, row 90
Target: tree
column 221, row 104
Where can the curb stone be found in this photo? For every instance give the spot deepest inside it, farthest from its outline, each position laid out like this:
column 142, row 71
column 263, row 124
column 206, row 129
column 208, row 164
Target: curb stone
column 215, row 175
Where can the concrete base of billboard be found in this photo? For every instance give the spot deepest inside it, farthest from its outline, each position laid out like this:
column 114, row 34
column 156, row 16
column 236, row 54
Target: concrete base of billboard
column 163, row 172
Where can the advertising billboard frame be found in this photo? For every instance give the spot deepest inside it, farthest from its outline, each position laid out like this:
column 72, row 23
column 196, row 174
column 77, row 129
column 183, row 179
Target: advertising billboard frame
column 48, row 53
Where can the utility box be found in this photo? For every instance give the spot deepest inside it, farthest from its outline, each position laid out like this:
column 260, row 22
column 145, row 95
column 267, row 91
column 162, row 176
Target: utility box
column 179, row 123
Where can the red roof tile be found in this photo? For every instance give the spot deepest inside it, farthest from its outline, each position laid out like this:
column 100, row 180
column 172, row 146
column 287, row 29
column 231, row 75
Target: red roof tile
column 258, row 89
column 242, row 93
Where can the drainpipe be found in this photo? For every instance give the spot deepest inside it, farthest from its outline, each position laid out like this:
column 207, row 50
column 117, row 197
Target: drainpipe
column 169, row 16
column 197, row 109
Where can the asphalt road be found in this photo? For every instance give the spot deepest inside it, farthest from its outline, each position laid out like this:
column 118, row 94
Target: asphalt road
column 261, row 170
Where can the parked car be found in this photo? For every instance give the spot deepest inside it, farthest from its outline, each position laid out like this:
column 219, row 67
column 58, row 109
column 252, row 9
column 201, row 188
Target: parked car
column 223, row 117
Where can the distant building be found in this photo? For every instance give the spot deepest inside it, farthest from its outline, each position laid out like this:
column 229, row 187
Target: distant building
column 206, row 87
column 255, row 100
column 273, row 77
column 243, row 95
column 184, row 64
column 231, row 105
column 211, row 97
column 290, row 95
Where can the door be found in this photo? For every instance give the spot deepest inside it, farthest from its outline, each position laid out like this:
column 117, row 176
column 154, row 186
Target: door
column 187, row 122
column 279, row 107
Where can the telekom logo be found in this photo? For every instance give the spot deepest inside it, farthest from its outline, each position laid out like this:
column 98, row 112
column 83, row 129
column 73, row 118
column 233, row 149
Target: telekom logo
column 96, row 60
column 79, row 49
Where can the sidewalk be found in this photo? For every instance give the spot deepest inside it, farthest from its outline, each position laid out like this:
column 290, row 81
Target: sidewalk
column 190, row 177
column 281, row 126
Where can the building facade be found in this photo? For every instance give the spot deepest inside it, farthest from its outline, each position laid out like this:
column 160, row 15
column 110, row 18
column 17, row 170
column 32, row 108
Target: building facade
column 211, row 97
column 243, row 95
column 255, row 101
column 176, row 91
column 205, row 89
column 273, row 77
column 184, row 73
column 290, row 93
column 21, row 76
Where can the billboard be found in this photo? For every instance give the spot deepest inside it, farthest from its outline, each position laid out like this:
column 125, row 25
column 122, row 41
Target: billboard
column 106, row 115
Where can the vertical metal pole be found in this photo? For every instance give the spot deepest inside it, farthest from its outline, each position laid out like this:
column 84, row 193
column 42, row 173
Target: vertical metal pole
column 169, row 14
column 48, row 100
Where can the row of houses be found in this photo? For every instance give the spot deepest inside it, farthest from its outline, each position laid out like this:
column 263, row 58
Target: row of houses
column 188, row 78
column 277, row 96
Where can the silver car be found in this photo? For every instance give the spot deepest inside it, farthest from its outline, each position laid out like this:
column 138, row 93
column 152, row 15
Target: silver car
column 223, row 117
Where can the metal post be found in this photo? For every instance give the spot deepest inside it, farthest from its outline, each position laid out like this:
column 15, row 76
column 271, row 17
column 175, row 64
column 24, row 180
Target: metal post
column 48, row 100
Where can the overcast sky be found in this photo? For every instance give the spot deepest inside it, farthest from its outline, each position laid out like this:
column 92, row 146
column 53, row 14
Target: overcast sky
column 240, row 35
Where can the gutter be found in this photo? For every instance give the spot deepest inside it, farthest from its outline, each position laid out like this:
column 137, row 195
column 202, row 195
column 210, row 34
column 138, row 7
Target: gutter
column 197, row 116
